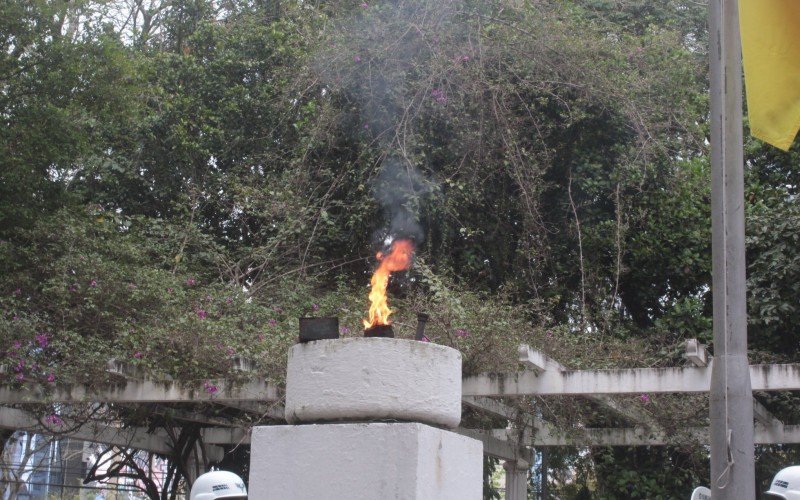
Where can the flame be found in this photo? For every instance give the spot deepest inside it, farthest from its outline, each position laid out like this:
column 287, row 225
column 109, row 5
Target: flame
column 398, row 259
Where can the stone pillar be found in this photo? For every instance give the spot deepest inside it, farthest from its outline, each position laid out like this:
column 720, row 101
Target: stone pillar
column 373, row 410
column 516, row 480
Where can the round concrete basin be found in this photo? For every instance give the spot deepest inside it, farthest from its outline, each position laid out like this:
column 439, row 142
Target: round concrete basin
column 368, row 379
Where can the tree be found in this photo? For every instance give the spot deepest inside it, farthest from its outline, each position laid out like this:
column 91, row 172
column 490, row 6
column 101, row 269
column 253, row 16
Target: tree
column 180, row 180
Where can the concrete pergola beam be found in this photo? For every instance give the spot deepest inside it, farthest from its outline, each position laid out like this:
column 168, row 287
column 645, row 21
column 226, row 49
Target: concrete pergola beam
column 765, row 418
column 622, row 381
column 638, row 436
column 540, row 362
column 138, row 438
column 535, row 360
column 498, row 448
column 143, row 391
column 228, row 436
column 191, row 416
column 494, row 441
column 131, row 437
column 491, row 406
column 272, row 410
column 696, row 353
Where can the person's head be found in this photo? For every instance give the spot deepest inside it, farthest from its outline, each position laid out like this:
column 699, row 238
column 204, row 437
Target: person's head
column 786, row 484
column 218, row 484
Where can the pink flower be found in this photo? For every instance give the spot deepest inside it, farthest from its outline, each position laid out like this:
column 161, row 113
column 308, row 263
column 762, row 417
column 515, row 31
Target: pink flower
column 366, row 126
column 231, row 351
column 51, row 378
column 424, row 339
column 201, row 314
column 272, row 322
column 460, row 332
column 464, row 58
column 17, row 345
column 229, row 300
column 549, row 334
column 439, row 96
column 261, row 337
column 138, row 355
column 209, row 387
column 18, row 292
column 344, row 330
column 191, row 282
column 132, row 286
column 93, row 283
column 357, row 59
column 314, row 307
column 364, row 5
column 42, row 340
column 14, row 318
column 73, row 288
column 20, row 377
column 53, row 420
column 278, row 310
column 169, row 290
column 645, row 398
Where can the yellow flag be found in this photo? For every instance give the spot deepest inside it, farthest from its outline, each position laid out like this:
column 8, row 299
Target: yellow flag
column 771, row 58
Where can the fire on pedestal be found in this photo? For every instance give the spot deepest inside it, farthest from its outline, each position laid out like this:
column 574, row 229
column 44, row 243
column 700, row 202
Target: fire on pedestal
column 370, row 417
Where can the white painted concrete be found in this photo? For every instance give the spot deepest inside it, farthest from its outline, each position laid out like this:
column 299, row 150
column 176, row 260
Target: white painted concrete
column 142, row 391
column 640, row 436
column 516, row 480
column 376, row 461
column 689, row 379
column 360, row 379
column 99, row 431
column 495, row 445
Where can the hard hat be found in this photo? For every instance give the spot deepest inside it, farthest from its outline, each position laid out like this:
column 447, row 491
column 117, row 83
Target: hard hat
column 786, row 484
column 701, row 493
column 218, row 484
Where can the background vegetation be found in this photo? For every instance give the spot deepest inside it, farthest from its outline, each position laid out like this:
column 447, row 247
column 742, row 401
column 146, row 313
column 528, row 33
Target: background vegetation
column 180, row 180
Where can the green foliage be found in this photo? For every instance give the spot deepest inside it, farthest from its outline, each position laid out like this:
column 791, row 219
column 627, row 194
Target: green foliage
column 175, row 192
column 773, row 229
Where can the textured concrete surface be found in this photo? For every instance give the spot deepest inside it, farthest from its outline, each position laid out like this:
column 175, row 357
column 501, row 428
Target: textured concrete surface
column 362, row 379
column 377, row 461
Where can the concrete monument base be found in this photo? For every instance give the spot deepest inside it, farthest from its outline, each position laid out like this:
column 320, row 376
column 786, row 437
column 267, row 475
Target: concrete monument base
column 363, row 379
column 364, row 461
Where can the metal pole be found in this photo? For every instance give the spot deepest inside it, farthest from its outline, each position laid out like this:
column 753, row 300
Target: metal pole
column 731, row 407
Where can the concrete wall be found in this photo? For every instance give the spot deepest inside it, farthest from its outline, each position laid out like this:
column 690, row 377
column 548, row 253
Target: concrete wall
column 363, row 379
column 375, row 461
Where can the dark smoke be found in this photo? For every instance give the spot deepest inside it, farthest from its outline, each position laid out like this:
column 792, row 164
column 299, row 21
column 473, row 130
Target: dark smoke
column 372, row 64
column 400, row 190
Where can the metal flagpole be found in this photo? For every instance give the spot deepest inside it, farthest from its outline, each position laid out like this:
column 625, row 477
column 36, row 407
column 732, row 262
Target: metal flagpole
column 731, row 406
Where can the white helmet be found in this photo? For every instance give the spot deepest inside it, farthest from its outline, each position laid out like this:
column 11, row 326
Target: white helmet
column 218, row 484
column 786, row 484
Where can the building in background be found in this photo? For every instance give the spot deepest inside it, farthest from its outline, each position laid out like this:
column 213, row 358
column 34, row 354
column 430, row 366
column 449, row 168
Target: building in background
column 41, row 467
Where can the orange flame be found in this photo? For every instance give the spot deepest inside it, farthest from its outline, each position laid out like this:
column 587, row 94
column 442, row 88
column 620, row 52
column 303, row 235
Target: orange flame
column 398, row 259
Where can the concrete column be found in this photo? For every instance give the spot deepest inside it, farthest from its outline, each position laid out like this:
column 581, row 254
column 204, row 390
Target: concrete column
column 731, row 398
column 360, row 383
column 364, row 461
column 191, row 471
column 516, row 480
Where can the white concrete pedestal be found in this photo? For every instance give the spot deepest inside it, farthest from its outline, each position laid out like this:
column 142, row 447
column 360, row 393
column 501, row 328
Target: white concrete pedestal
column 364, row 461
column 516, row 481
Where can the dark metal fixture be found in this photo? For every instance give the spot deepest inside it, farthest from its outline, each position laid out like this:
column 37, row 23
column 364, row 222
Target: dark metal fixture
column 422, row 318
column 318, row 329
column 385, row 331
